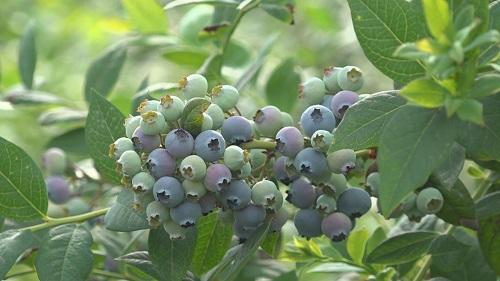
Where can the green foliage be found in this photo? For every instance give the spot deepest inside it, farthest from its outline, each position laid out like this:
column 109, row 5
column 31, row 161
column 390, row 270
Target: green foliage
column 489, row 239
column 272, row 244
column 27, row 56
column 488, row 206
column 424, row 92
column 447, row 173
column 12, row 244
column 146, row 15
column 122, row 217
column 356, row 244
column 192, row 115
column 282, row 86
column 141, row 261
column 458, row 205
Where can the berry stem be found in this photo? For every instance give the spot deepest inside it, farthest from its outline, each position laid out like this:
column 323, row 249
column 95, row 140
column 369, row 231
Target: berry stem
column 262, row 144
column 55, row 222
column 243, row 8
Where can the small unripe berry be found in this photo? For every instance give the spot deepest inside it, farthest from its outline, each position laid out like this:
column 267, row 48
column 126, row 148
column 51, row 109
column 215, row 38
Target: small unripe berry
column 268, row 121
column 194, row 85
column 171, row 108
column 194, row 189
column 430, row 200
column 225, row 96
column 217, row 115
column 142, row 182
column 131, row 124
column 130, row 163
column 312, row 90
column 120, row 145
column 350, row 78
column 321, row 140
column 54, row 161
column 156, row 214
column 193, row 168
column 235, row 157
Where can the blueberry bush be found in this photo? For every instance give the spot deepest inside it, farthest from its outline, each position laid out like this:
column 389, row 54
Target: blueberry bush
column 232, row 171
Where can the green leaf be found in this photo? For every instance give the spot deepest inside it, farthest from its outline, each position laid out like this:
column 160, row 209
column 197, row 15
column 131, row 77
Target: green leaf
column 447, row 173
column 424, row 92
column 179, row 3
column 489, row 240
column 12, row 244
column 448, row 253
column 23, row 195
column 488, row 206
column 486, row 85
column 104, row 125
column 192, row 115
column 32, row 98
column 146, row 15
column 236, row 54
column 281, row 12
column 186, row 55
column 382, row 26
column 409, row 151
column 65, row 254
column 140, row 260
column 458, row 205
column 27, row 56
column 211, row 69
column 364, row 121
column 282, row 87
column 172, row 258
column 483, row 142
column 61, row 115
column 212, row 242
column 471, row 110
column 123, row 217
column 104, row 71
column 377, row 237
column 72, row 142
column 438, row 18
column 402, row 248
column 356, row 244
column 272, row 244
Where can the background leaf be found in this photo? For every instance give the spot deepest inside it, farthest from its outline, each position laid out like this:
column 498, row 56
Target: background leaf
column 458, row 204
column 356, row 244
column 12, row 244
column 447, row 173
column 489, row 239
column 23, row 195
column 27, row 56
column 272, row 244
column 282, row 87
column 140, row 260
column 61, row 115
column 123, row 217
column 488, row 205
column 146, row 15
column 72, row 142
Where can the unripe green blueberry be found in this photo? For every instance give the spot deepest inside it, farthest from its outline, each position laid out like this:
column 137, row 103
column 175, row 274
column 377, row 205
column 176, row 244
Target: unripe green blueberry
column 193, row 86
column 244, row 172
column 193, row 168
column 410, row 202
column 153, row 123
column 120, row 145
column 76, row 206
column 130, row 163
column 257, row 158
column 157, row 214
column 54, row 161
column 430, row 200
column 142, row 182
column 217, row 115
column 194, row 189
column 131, row 124
column 373, row 183
column 235, row 157
column 175, row 231
column 207, row 122
column 326, row 204
column 141, row 200
column 350, row 78
column 321, row 140
column 265, row 193
column 330, row 78
column 171, row 108
column 225, row 96
column 334, row 185
column 312, row 90
column 268, row 121
column 148, row 105
column 342, row 161
column 286, row 119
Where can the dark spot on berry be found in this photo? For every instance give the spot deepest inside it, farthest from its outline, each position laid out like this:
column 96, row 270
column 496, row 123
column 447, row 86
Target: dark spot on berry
column 316, row 115
column 259, row 116
column 213, row 144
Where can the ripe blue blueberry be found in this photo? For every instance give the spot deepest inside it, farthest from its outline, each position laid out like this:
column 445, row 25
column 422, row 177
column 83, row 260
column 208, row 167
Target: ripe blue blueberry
column 179, row 143
column 225, row 96
column 317, row 117
column 142, row 182
column 194, row 85
column 169, row 191
column 308, row 223
column 207, row 203
column 354, row 202
column 301, row 194
column 242, row 233
column 250, row 217
column 265, row 193
column 237, row 196
column 120, row 145
column 342, row 101
column 157, row 214
column 284, row 170
column 153, row 123
column 350, row 78
column 237, row 129
column 57, row 189
column 171, row 108
column 160, row 163
column 194, row 189
column 145, row 143
column 429, row 200
column 342, row 161
column 131, row 124
column 54, row 161
column 217, row 115
column 186, row 214
column 321, row 140
column 311, row 163
column 336, row 226
column 312, row 90
column 210, row 145
column 218, row 177
column 330, row 78
column 289, row 141
column 193, row 168
column 268, row 121
column 130, row 163
column 235, row 157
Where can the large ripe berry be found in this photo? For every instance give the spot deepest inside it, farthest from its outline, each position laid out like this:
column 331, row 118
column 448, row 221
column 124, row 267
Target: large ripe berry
column 317, row 117
column 153, row 123
column 326, row 204
column 237, row 129
column 321, row 140
column 336, row 226
column 207, row 203
column 279, row 219
column 430, row 200
column 145, row 143
column 217, row 115
column 142, row 182
column 268, row 121
column 175, row 231
column 289, row 141
column 312, row 90
column 193, row 168
column 210, row 145
column 194, row 189
column 237, row 196
column 284, row 170
column 342, row 161
column 350, row 78
column 57, row 189
column 160, row 163
column 131, row 124
column 171, row 108
column 218, row 177
column 225, row 96
column 148, row 105
column 373, row 183
column 342, row 101
column 120, row 145
column 130, row 163
column 266, row 193
column 308, row 223
column 169, row 191
column 250, row 217
column 156, row 214
column 330, row 78
column 301, row 193
column 179, row 143
column 186, row 214
column 54, row 161
column 194, row 85
column 354, row 202
column 311, row 163
column 235, row 157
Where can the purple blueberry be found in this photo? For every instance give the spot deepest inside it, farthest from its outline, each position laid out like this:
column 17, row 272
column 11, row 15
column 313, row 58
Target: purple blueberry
column 342, row 101
column 210, row 145
column 289, row 141
column 284, row 170
column 301, row 194
column 57, row 189
column 218, row 177
column 179, row 143
column 237, row 129
column 145, row 143
column 160, row 163
column 336, row 226
column 317, row 117
column 207, row 203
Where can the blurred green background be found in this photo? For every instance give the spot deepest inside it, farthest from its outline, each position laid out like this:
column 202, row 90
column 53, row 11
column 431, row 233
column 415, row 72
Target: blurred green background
column 70, row 34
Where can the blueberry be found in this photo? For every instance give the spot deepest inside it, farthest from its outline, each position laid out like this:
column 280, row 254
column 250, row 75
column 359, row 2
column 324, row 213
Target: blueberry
column 429, row 200
column 311, row 163
column 321, row 140
column 301, row 193
column 193, row 168
column 148, row 105
column 268, row 121
column 265, row 193
column 194, row 85
column 168, row 191
column 327, row 101
column 330, row 78
column 350, row 78
column 317, row 117
column 237, row 196
column 142, row 182
column 284, row 170
column 194, row 189
column 286, row 119
column 153, row 123
column 217, row 115
column 410, row 202
column 54, row 161
column 336, row 226
column 237, row 129
column 334, row 185
column 76, row 206
column 242, row 233
column 131, row 124
column 289, row 141
column 235, row 157
column 225, row 96
column 342, row 161
column 57, row 189
column 120, row 145
column 354, row 202
column 145, row 143
column 373, row 183
column 207, row 203
column 218, row 177
column 342, row 101
column 130, row 163
column 179, row 143
column 280, row 217
column 210, row 145
column 186, row 214
column 308, row 223
column 175, row 231
column 257, row 159
column 157, row 214
column 207, row 123
column 141, row 200
column 250, row 217
column 326, row 204
column 160, row 163
column 312, row 90
column 171, row 108
column 244, row 172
